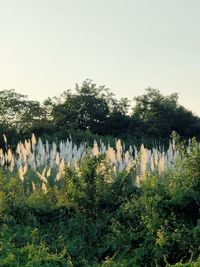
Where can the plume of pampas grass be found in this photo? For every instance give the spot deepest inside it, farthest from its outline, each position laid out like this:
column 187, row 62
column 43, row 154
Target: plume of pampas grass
column 47, row 160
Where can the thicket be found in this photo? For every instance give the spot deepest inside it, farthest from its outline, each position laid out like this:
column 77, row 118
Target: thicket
column 94, row 217
column 92, row 112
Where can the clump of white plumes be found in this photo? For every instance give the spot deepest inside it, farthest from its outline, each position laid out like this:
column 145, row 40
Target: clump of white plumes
column 51, row 159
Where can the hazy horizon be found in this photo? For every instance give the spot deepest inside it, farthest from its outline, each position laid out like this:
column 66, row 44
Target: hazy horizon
column 47, row 46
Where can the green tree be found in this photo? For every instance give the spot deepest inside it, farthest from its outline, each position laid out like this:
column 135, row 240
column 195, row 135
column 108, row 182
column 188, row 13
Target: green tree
column 17, row 111
column 86, row 109
column 159, row 115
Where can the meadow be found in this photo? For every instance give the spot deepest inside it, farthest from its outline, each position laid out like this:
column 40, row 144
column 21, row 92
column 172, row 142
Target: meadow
column 63, row 204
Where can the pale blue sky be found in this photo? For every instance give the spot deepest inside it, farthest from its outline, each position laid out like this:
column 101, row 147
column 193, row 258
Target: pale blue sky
column 46, row 46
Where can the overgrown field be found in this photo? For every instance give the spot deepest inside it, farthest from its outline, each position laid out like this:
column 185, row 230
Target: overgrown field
column 68, row 205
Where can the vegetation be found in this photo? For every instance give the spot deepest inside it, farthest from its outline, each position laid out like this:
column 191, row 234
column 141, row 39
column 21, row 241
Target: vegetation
column 92, row 204
column 91, row 112
column 95, row 216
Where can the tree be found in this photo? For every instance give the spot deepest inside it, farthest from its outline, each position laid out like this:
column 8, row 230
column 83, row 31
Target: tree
column 17, row 112
column 12, row 107
column 86, row 109
column 160, row 115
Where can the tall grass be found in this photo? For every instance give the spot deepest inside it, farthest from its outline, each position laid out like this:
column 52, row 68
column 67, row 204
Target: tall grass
column 68, row 205
column 48, row 161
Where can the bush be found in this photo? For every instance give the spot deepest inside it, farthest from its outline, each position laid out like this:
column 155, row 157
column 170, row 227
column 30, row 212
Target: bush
column 95, row 217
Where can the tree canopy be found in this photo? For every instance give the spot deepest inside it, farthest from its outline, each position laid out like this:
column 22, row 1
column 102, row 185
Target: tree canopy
column 95, row 110
column 162, row 114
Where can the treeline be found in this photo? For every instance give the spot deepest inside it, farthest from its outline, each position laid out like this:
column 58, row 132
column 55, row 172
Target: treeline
column 94, row 112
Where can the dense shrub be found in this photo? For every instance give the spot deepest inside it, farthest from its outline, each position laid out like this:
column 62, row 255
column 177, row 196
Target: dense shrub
column 95, row 217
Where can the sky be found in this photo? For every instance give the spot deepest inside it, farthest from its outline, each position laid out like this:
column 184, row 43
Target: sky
column 47, row 46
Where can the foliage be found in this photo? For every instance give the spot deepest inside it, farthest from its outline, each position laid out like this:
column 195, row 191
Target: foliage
column 96, row 217
column 98, row 213
column 94, row 110
column 160, row 115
